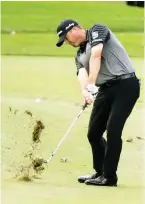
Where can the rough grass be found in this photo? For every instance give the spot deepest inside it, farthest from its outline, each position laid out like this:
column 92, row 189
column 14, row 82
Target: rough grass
column 35, row 25
column 44, row 16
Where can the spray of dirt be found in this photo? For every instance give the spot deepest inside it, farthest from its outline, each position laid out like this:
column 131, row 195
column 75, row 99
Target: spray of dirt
column 32, row 166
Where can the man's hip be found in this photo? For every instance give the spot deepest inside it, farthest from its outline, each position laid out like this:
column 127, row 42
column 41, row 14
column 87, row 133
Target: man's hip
column 117, row 79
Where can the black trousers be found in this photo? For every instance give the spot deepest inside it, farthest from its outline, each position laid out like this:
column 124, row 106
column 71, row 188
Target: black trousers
column 111, row 109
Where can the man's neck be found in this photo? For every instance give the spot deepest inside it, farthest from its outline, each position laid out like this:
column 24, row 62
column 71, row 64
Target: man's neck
column 84, row 37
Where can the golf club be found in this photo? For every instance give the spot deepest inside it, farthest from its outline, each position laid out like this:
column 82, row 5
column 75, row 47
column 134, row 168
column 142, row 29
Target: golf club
column 73, row 123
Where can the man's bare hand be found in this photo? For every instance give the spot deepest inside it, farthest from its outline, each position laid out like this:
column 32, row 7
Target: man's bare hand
column 88, row 98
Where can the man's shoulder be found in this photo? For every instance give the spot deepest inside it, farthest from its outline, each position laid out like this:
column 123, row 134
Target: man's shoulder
column 97, row 26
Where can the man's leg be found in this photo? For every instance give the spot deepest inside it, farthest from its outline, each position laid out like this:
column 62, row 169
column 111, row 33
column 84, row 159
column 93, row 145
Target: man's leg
column 126, row 94
column 97, row 127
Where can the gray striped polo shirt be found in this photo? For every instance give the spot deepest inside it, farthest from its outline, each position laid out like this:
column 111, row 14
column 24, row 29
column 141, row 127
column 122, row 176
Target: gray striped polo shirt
column 114, row 60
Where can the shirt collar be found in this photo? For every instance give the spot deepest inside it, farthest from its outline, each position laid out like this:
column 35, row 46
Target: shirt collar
column 87, row 36
column 83, row 45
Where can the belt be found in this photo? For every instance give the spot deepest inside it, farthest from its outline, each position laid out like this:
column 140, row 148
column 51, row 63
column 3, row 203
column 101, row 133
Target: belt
column 117, row 79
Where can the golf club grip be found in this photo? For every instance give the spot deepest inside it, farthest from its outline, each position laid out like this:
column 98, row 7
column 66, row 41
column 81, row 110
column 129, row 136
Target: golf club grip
column 84, row 106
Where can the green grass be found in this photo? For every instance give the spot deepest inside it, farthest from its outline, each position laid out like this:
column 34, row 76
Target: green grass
column 54, row 80
column 35, row 25
column 45, row 16
column 45, row 44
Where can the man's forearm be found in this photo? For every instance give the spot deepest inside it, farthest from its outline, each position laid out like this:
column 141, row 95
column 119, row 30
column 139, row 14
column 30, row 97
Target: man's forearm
column 83, row 78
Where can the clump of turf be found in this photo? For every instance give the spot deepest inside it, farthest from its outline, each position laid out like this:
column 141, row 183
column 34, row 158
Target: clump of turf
column 31, row 168
column 28, row 113
column 38, row 162
column 37, row 131
column 12, row 110
column 24, row 173
column 25, row 178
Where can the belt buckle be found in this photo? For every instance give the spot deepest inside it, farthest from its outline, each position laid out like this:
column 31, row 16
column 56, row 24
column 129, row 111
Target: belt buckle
column 111, row 82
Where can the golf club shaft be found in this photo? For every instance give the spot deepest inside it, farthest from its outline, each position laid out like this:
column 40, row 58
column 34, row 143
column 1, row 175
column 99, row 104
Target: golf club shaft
column 73, row 123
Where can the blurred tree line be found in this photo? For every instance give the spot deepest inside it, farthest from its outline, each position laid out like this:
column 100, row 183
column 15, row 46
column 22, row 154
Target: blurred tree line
column 135, row 3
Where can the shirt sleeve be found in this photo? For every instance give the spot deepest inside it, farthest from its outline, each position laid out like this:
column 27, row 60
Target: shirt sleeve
column 99, row 34
column 78, row 64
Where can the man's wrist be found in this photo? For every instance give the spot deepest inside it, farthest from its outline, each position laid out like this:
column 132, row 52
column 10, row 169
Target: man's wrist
column 92, row 88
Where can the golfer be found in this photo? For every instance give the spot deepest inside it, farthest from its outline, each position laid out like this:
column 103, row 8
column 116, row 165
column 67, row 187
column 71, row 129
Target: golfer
column 107, row 79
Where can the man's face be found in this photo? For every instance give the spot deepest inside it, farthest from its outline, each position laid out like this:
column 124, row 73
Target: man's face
column 73, row 37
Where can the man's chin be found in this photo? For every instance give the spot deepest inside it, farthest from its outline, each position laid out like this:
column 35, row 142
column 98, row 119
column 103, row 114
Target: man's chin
column 75, row 46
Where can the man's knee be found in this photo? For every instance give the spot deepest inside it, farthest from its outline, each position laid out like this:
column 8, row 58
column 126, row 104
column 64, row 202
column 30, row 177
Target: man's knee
column 115, row 127
column 94, row 136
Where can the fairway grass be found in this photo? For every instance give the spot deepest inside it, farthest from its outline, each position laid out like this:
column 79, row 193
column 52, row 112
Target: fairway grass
column 54, row 81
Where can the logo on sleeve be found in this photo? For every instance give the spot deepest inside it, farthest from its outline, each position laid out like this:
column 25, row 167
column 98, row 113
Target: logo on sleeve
column 95, row 35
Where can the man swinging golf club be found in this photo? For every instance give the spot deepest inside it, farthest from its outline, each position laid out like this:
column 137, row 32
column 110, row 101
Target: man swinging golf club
column 103, row 66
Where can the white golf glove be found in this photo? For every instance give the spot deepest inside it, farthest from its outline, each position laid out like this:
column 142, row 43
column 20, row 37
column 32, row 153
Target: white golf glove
column 91, row 88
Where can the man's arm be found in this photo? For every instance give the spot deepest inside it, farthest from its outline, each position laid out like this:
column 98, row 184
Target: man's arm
column 94, row 63
column 87, row 82
column 94, row 67
column 98, row 35
column 83, row 78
